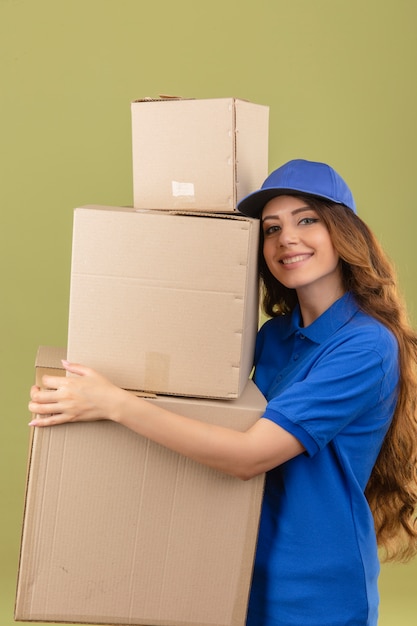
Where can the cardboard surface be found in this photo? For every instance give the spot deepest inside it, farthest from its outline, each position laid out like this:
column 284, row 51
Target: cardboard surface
column 198, row 154
column 119, row 530
column 162, row 302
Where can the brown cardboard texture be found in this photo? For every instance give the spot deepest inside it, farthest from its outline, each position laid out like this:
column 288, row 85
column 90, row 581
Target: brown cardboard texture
column 198, row 154
column 162, row 302
column 118, row 530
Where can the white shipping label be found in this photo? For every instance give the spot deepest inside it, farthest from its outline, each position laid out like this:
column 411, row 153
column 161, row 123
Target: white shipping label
column 182, row 189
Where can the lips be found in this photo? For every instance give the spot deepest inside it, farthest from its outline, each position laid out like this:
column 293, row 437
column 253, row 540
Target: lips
column 294, row 259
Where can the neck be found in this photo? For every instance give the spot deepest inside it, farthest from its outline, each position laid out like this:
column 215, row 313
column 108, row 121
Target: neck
column 313, row 305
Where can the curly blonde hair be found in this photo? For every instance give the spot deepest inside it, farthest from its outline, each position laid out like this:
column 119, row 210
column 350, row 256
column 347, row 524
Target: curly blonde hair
column 369, row 275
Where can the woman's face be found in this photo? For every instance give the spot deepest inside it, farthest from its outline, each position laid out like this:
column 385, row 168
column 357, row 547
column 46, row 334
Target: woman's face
column 298, row 250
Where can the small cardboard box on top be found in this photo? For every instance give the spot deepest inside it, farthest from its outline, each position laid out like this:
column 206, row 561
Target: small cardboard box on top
column 197, row 155
column 119, row 530
column 163, row 302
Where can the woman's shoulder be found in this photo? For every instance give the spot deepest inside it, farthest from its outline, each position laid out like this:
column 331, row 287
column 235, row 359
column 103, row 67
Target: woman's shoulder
column 278, row 324
column 366, row 327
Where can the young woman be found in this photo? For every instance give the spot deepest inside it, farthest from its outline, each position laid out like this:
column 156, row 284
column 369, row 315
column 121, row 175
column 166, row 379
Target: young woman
column 336, row 362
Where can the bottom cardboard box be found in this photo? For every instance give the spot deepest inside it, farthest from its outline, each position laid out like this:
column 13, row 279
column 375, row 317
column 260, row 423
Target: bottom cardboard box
column 119, row 530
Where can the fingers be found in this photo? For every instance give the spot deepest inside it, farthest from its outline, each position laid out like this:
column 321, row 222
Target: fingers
column 44, row 395
column 48, row 407
column 50, row 383
column 77, row 368
column 57, row 382
column 45, row 401
column 43, row 408
column 47, row 420
column 61, row 382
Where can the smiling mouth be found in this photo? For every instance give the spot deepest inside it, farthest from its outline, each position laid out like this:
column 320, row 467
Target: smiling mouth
column 295, row 259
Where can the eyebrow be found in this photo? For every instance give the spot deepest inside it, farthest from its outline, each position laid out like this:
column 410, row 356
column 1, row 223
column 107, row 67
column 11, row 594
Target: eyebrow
column 299, row 210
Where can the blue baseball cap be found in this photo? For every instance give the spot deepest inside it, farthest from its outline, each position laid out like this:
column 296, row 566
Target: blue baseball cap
column 299, row 175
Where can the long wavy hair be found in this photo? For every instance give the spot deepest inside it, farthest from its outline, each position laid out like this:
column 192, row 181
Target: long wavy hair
column 370, row 276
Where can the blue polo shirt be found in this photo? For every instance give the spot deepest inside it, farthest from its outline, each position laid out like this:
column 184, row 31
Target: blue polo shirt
column 333, row 386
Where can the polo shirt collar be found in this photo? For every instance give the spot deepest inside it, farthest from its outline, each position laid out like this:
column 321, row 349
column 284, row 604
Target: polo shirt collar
column 328, row 323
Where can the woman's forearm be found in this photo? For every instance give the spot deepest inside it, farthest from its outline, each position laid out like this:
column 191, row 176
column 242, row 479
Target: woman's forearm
column 221, row 448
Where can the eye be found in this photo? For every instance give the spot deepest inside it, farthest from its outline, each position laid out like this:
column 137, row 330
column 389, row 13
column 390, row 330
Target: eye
column 271, row 230
column 309, row 220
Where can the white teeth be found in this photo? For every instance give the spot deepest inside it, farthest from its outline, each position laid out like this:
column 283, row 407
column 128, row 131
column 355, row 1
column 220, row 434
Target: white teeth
column 294, row 259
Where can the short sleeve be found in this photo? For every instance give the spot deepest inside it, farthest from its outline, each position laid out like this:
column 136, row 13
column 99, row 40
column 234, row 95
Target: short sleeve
column 344, row 383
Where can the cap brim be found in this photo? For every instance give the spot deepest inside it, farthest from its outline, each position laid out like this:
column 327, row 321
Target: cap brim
column 253, row 204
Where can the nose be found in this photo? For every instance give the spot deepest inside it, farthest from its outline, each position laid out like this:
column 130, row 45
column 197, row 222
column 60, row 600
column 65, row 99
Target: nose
column 288, row 235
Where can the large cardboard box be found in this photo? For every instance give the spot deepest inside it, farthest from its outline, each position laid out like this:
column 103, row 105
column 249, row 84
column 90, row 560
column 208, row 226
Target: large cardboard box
column 118, row 530
column 197, row 154
column 163, row 302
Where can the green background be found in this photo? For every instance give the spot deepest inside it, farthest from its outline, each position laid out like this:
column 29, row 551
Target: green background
column 340, row 80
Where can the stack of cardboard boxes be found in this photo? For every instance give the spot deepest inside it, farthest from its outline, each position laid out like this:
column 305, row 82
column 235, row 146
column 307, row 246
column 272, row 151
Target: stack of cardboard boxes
column 163, row 301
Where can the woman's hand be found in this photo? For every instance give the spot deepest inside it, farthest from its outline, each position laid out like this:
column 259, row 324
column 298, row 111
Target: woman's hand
column 82, row 397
